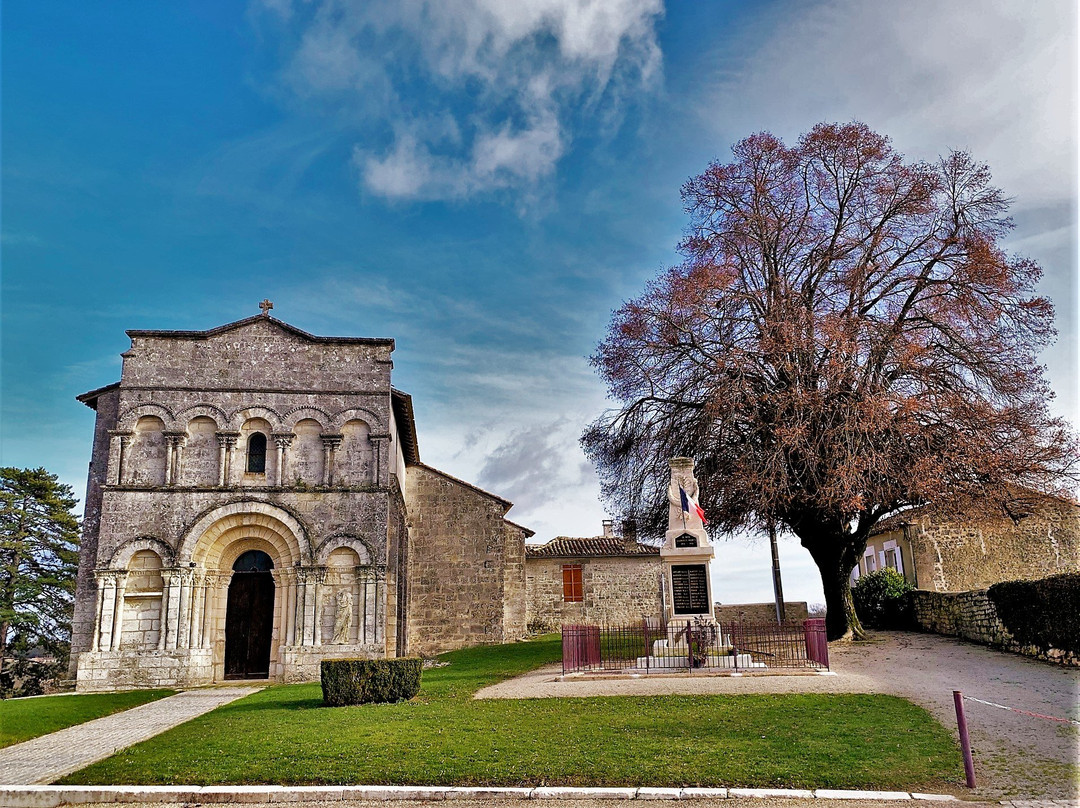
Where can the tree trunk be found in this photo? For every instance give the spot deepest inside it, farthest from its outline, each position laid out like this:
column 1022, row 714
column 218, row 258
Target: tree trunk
column 836, row 558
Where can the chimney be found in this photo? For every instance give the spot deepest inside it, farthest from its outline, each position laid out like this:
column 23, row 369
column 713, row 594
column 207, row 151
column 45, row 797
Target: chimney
column 629, row 535
column 609, row 528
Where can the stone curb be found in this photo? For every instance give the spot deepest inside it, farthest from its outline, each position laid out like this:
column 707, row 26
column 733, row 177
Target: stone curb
column 53, row 796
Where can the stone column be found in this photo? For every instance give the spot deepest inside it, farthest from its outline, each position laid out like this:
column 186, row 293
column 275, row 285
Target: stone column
column 174, row 456
column 282, row 440
column 119, row 581
column 320, row 578
column 377, row 442
column 226, row 442
column 198, row 598
column 217, row 587
column 118, row 445
column 288, row 594
column 183, row 616
column 330, row 444
column 107, row 584
column 170, row 619
column 368, row 615
column 380, row 605
column 163, row 619
column 299, row 606
column 99, row 597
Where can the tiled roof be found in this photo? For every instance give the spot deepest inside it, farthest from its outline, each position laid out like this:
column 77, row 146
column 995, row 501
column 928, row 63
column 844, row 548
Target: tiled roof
column 598, row 546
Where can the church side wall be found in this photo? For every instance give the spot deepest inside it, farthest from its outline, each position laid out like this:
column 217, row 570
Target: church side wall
column 616, row 591
column 964, row 553
column 82, row 624
column 460, row 554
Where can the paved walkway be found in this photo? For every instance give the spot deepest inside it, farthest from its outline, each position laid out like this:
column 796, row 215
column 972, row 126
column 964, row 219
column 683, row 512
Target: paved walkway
column 1015, row 755
column 50, row 757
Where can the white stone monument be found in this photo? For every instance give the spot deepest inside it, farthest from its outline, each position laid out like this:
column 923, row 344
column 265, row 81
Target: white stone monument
column 686, row 552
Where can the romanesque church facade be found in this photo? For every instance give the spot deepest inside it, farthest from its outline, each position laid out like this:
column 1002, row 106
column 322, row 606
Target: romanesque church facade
column 256, row 503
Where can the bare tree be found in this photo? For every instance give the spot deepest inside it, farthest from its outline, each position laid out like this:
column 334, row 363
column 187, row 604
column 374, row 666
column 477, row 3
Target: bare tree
column 845, row 338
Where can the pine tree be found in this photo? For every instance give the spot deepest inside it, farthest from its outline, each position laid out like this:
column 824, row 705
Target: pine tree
column 38, row 561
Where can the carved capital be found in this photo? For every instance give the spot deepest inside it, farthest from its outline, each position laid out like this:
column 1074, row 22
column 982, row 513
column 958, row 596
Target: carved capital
column 332, row 441
column 109, row 576
column 227, row 440
column 282, row 439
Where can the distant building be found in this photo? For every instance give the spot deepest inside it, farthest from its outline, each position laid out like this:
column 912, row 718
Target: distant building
column 605, row 579
column 945, row 550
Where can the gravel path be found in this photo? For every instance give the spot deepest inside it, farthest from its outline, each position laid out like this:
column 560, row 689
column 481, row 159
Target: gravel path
column 1015, row 755
column 50, row 757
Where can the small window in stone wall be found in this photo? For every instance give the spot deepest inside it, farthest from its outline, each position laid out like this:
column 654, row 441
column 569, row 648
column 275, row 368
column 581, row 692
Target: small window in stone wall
column 256, row 454
column 572, row 591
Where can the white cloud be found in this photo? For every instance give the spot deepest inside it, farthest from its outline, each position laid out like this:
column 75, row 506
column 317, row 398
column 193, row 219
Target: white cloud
column 993, row 76
column 507, row 75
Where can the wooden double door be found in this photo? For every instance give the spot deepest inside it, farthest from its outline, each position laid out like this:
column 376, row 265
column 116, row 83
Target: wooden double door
column 249, row 617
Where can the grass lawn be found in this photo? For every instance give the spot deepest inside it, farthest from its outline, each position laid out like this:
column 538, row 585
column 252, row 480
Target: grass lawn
column 23, row 719
column 284, row 735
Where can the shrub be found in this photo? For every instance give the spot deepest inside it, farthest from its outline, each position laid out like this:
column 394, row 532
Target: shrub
column 883, row 600
column 1044, row 613
column 364, row 681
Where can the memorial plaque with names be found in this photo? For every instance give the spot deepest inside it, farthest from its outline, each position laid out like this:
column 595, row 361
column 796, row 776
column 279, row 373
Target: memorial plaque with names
column 686, row 540
column 689, row 589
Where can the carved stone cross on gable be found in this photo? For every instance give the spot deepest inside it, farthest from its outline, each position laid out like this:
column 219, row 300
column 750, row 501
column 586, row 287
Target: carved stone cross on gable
column 266, row 305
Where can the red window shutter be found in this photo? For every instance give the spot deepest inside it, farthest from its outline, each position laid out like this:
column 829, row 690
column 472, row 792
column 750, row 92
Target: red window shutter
column 573, row 591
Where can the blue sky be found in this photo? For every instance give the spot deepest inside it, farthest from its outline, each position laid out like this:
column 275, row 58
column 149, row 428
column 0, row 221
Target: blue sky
column 482, row 181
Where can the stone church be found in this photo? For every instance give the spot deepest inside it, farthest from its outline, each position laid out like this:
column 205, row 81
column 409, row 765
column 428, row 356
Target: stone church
column 256, row 503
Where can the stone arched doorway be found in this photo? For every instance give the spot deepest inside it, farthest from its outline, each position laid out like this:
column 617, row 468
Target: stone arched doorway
column 249, row 617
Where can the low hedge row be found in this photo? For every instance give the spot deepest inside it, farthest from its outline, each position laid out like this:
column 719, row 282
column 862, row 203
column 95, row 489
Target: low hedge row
column 1043, row 613
column 364, row 681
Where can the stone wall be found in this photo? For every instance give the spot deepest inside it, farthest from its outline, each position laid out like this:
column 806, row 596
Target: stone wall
column 961, row 552
column 463, row 559
column 760, row 612
column 257, row 353
column 128, row 670
column 972, row 616
column 616, row 590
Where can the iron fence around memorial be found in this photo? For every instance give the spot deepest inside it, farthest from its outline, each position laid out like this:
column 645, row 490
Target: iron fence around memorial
column 682, row 646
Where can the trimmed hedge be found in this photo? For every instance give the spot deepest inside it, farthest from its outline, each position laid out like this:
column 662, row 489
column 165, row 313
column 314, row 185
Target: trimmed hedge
column 1044, row 613
column 883, row 600
column 365, row 681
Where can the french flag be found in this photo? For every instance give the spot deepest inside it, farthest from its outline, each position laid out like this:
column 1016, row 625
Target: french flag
column 688, row 503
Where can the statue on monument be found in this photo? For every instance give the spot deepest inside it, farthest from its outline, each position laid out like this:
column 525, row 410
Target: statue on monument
column 684, row 513
column 343, row 618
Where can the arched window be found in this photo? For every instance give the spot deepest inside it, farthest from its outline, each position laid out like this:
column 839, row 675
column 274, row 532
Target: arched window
column 256, row 454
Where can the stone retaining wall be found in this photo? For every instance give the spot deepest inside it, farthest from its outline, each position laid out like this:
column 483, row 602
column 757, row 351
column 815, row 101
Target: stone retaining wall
column 794, row 611
column 972, row 616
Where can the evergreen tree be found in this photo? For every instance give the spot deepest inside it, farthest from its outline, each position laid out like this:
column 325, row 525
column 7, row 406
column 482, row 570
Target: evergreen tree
column 38, row 561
